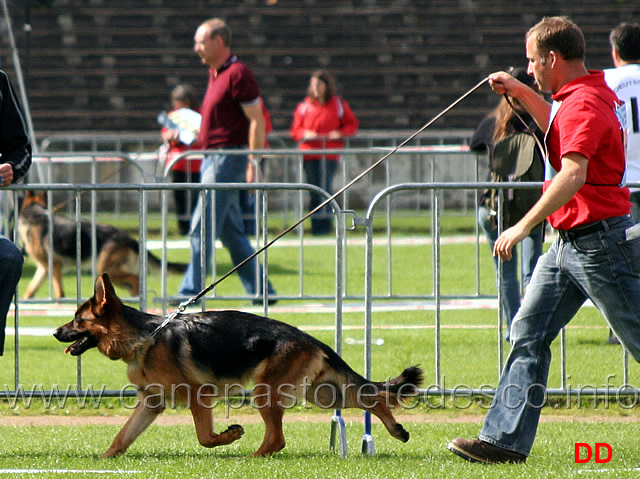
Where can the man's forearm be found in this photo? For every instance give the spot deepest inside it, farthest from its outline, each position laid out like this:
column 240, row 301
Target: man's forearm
column 563, row 187
column 537, row 107
column 256, row 135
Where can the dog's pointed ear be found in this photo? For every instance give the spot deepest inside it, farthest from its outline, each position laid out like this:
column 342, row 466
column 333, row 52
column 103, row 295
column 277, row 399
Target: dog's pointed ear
column 36, row 194
column 103, row 291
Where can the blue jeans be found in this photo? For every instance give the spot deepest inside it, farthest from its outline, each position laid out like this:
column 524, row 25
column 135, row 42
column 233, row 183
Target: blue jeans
column 601, row 266
column 228, row 225
column 510, row 286
column 320, row 173
column 248, row 205
column 10, row 272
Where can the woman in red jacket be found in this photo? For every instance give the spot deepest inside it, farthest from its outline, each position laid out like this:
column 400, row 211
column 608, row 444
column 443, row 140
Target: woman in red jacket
column 321, row 121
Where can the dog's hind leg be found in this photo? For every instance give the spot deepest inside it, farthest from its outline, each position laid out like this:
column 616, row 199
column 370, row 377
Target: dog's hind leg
column 203, row 421
column 270, row 407
column 41, row 274
column 37, row 280
column 121, row 265
column 57, row 279
column 131, row 281
column 141, row 418
column 371, row 397
column 381, row 410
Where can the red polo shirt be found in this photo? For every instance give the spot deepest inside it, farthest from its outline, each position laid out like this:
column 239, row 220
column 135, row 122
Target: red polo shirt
column 586, row 123
column 224, row 123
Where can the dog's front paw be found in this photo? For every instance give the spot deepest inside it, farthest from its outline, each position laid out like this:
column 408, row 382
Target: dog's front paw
column 235, row 431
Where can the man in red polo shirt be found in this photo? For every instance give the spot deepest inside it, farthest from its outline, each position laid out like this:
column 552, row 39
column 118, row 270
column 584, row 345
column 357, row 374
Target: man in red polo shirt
column 594, row 256
column 232, row 118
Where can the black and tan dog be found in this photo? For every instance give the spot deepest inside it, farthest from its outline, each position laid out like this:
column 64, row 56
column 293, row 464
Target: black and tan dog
column 117, row 252
column 200, row 357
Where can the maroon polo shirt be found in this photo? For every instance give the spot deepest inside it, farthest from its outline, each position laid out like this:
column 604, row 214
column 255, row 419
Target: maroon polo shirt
column 224, row 123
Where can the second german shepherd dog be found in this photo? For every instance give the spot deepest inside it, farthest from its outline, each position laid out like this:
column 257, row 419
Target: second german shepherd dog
column 117, row 251
column 197, row 357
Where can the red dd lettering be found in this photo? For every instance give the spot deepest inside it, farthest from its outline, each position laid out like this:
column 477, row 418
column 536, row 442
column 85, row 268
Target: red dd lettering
column 578, row 446
column 599, row 446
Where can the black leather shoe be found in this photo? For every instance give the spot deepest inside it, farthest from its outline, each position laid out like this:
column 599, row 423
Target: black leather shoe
column 476, row 450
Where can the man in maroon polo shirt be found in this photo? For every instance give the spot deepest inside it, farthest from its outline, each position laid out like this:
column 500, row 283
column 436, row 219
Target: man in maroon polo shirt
column 232, row 118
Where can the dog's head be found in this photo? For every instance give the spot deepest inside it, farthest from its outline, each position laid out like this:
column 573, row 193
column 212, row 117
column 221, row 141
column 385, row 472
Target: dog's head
column 91, row 326
column 34, row 198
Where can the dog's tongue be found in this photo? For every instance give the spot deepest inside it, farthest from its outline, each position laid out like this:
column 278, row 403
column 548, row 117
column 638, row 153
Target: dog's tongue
column 66, row 351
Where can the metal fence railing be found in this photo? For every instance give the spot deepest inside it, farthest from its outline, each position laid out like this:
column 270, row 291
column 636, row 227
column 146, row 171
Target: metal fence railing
column 147, row 141
column 152, row 198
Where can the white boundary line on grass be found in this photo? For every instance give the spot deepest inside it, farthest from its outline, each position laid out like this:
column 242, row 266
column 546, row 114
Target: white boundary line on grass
column 601, row 471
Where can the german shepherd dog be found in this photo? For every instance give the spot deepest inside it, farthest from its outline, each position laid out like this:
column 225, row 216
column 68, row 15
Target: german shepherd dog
column 117, row 251
column 197, row 357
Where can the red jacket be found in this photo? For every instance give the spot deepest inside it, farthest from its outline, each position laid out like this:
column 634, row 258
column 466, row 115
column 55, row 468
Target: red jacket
column 311, row 115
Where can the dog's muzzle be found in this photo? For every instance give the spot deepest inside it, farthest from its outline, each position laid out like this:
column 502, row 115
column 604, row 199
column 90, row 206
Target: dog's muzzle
column 82, row 340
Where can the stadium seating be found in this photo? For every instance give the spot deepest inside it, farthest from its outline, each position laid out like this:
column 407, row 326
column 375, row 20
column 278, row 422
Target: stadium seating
column 110, row 64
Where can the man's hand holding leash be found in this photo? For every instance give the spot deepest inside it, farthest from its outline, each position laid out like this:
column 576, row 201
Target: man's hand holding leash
column 504, row 84
column 6, row 174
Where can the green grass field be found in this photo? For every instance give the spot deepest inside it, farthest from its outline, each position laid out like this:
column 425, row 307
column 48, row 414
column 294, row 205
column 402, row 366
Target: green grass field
column 173, row 451
column 405, row 336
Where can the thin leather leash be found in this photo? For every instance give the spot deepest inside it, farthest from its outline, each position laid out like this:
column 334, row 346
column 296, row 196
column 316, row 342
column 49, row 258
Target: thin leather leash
column 527, row 126
column 182, row 306
column 524, row 123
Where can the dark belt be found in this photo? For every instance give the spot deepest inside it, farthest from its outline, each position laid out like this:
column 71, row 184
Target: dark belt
column 602, row 225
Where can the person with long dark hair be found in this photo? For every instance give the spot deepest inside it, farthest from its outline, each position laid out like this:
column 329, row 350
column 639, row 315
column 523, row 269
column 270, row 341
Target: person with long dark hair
column 511, row 123
column 321, row 121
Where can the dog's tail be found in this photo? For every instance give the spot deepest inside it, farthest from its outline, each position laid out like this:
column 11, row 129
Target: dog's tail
column 404, row 385
column 356, row 391
column 380, row 398
column 171, row 266
column 152, row 259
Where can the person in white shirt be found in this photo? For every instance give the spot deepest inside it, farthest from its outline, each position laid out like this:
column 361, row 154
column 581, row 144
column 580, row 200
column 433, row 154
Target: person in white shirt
column 624, row 80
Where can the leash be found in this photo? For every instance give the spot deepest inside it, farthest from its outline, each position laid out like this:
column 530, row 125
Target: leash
column 182, row 306
column 528, row 129
column 526, row 125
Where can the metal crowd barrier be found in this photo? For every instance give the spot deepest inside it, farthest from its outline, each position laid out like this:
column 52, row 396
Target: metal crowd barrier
column 141, row 141
column 435, row 191
column 143, row 191
column 438, row 388
column 93, row 168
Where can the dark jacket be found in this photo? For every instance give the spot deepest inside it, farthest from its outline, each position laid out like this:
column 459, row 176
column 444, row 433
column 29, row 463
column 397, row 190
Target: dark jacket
column 14, row 140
